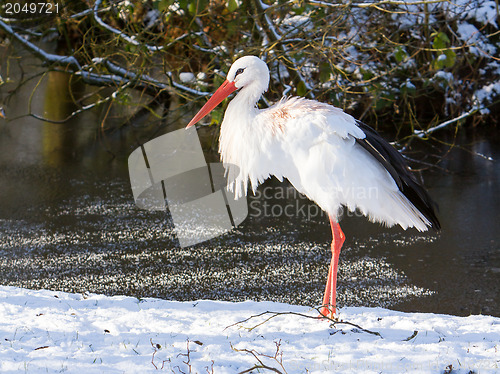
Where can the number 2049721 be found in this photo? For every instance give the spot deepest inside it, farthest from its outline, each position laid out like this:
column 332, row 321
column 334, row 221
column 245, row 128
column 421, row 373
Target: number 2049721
column 32, row 7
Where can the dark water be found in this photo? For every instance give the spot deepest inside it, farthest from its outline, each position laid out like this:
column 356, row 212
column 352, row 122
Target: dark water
column 68, row 222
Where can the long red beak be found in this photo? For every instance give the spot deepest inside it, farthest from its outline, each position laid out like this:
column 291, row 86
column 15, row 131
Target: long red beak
column 222, row 92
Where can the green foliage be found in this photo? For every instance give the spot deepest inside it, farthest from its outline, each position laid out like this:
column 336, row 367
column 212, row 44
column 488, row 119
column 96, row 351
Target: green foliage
column 446, row 57
column 232, row 5
column 301, row 89
column 217, row 116
column 400, row 54
column 162, row 5
column 325, row 72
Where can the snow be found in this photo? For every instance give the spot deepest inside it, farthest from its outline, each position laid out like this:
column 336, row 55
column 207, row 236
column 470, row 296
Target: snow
column 51, row 331
column 409, row 85
column 187, row 77
column 486, row 94
column 292, row 25
column 484, row 12
column 446, row 76
column 475, row 40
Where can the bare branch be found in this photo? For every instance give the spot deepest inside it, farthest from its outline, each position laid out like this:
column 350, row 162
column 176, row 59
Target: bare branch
column 258, row 356
column 185, row 88
column 276, row 314
column 424, row 133
column 119, row 77
column 141, row 81
column 129, row 39
column 68, row 61
column 375, row 4
column 274, row 38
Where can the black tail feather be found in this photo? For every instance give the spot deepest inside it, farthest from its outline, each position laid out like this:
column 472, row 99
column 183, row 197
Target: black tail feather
column 395, row 164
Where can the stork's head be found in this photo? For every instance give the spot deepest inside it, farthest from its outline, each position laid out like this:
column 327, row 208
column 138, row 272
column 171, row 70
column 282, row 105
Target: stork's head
column 248, row 73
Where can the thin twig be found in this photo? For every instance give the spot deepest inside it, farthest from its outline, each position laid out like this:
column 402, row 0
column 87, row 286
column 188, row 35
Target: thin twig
column 274, row 38
column 276, row 314
column 261, row 364
column 122, row 35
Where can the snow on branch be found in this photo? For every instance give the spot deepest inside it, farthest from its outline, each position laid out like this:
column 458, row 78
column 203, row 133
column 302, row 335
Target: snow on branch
column 274, row 37
column 69, row 61
column 434, row 53
column 424, row 133
column 375, row 4
column 122, row 35
column 118, row 77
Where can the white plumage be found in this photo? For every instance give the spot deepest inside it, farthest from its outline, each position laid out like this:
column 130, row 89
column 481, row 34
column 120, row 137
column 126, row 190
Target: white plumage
column 312, row 144
column 324, row 153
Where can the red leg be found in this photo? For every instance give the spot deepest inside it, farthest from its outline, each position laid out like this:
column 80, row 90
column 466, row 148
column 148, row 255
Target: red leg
column 328, row 308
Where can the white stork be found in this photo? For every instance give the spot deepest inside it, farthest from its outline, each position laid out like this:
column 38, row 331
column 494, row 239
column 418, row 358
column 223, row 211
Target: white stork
column 326, row 154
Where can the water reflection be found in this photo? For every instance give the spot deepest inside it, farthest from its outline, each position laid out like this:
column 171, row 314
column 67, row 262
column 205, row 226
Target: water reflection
column 68, row 222
column 59, row 103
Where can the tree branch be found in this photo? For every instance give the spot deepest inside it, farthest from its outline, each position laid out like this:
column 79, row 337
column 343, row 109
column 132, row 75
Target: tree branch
column 69, row 61
column 274, row 37
column 424, row 133
column 120, row 76
column 121, row 35
column 375, row 4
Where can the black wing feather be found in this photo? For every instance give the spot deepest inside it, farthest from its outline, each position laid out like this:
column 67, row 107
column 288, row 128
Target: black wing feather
column 395, row 164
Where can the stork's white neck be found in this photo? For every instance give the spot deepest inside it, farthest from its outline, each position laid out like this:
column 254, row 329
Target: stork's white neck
column 242, row 109
column 239, row 140
column 247, row 97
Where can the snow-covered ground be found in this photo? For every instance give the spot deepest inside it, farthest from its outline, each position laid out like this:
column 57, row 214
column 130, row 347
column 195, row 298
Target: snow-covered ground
column 49, row 331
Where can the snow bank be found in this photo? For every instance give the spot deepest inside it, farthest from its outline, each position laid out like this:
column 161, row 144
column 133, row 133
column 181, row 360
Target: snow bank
column 48, row 331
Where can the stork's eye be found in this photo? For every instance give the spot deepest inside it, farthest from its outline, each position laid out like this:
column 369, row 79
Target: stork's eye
column 239, row 71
